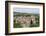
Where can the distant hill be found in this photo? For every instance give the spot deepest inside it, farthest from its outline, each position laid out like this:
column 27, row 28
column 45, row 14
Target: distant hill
column 18, row 13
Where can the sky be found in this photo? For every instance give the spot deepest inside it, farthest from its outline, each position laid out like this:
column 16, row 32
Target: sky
column 27, row 10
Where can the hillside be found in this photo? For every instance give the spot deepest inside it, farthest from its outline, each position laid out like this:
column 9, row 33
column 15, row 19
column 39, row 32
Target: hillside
column 27, row 14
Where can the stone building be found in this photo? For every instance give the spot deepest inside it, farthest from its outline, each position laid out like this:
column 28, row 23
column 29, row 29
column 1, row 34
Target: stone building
column 26, row 21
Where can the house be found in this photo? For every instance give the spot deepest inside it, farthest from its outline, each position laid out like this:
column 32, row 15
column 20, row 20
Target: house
column 26, row 21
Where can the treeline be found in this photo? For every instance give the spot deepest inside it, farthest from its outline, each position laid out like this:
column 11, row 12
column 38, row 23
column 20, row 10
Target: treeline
column 24, row 14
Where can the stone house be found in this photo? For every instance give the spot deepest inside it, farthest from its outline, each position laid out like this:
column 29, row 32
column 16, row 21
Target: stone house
column 26, row 21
